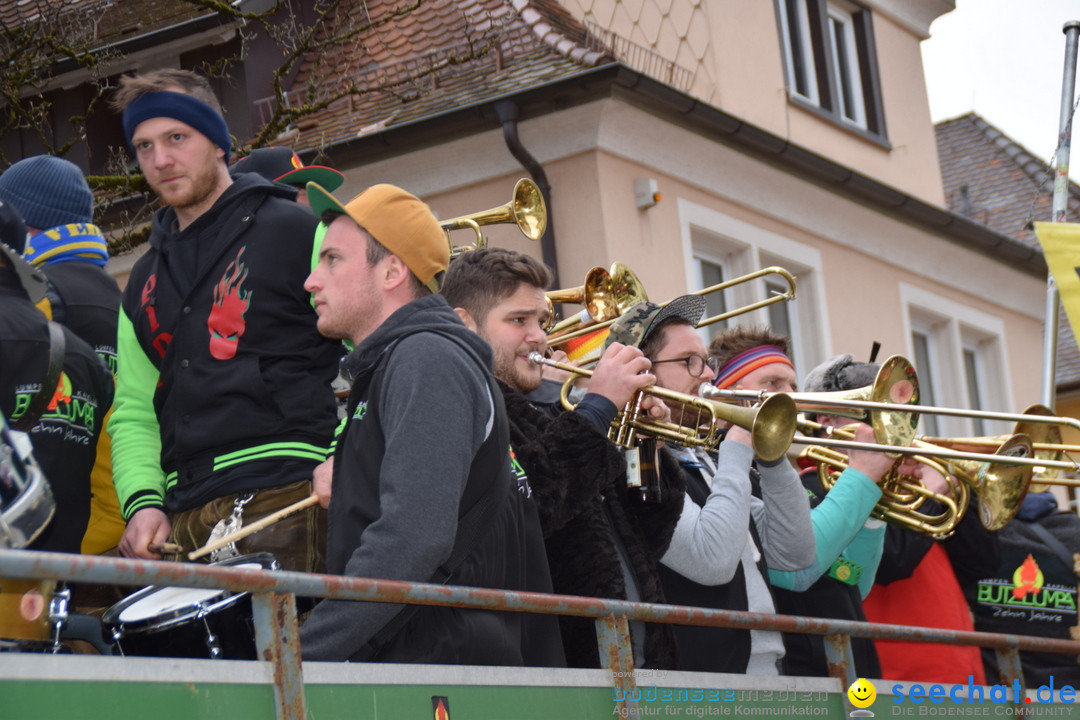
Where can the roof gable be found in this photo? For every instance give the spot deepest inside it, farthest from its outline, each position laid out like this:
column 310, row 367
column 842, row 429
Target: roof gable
column 997, row 182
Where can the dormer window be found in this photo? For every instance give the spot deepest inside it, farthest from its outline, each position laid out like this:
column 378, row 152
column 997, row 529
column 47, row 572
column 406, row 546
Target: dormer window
column 831, row 63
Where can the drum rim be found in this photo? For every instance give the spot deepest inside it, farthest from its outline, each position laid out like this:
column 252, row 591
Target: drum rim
column 164, row 620
column 167, row 620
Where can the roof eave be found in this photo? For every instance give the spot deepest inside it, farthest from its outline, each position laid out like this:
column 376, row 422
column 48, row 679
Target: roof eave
column 153, row 40
column 707, row 120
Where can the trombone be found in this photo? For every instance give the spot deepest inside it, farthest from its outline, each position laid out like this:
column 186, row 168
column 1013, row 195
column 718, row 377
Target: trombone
column 526, row 208
column 899, row 442
column 887, row 404
column 771, row 424
column 1045, row 441
column 776, row 297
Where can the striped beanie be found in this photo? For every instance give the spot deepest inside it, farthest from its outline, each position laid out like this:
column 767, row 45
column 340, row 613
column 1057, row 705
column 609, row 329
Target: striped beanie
column 47, row 191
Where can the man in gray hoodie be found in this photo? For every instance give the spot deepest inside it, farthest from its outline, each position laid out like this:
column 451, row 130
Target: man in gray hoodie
column 421, row 479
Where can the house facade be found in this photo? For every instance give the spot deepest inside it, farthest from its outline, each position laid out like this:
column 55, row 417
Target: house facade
column 697, row 141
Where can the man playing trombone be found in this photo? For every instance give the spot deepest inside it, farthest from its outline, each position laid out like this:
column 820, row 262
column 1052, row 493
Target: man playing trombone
column 726, row 537
column 915, row 582
column 600, row 541
column 848, row 541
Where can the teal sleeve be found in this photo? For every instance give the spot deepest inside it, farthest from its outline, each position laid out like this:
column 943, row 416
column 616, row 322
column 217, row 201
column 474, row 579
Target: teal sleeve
column 837, row 520
column 136, row 436
column 866, row 550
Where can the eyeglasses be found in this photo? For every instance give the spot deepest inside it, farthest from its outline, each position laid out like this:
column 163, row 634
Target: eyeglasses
column 695, row 364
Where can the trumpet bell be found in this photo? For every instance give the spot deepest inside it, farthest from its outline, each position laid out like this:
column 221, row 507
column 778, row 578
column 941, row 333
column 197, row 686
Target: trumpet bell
column 773, row 427
column 526, row 209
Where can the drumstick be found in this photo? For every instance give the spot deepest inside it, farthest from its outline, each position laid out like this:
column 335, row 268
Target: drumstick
column 165, row 548
column 254, row 527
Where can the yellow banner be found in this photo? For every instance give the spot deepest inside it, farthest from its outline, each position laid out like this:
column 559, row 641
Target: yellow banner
column 1061, row 245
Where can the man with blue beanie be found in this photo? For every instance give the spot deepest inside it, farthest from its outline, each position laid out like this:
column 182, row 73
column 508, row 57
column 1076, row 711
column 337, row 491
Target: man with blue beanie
column 52, row 386
column 57, row 205
column 224, row 405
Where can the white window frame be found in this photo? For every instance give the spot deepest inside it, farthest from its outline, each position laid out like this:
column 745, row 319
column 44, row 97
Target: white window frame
column 817, row 53
column 741, row 248
column 951, row 327
column 856, row 114
column 802, row 25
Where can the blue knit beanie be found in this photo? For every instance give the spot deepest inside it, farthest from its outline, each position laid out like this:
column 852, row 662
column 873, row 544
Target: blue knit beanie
column 47, row 191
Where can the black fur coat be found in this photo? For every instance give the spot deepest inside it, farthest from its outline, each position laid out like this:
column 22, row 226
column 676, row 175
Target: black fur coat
column 578, row 479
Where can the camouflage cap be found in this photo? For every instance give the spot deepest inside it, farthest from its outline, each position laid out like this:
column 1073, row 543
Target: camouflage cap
column 635, row 324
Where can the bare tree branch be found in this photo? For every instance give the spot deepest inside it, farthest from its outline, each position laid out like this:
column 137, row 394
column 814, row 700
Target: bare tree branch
column 331, row 50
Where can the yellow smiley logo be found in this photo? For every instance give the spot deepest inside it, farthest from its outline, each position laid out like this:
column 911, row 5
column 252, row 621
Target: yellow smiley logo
column 862, row 693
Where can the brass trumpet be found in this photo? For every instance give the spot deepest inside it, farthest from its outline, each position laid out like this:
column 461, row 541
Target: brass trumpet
column 526, row 209
column 606, row 295
column 563, row 337
column 771, row 424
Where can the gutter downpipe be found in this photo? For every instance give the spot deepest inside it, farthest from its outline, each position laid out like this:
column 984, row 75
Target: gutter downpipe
column 1060, row 206
column 508, row 114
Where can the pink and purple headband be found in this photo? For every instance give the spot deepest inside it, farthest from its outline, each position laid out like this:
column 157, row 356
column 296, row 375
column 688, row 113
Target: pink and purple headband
column 747, row 362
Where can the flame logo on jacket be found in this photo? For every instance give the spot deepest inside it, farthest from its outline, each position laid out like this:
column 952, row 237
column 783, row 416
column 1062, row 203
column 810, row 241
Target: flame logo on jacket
column 1028, row 578
column 62, row 394
column 159, row 340
column 226, row 321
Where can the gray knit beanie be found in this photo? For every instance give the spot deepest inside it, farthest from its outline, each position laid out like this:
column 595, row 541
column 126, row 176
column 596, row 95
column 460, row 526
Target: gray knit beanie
column 47, row 191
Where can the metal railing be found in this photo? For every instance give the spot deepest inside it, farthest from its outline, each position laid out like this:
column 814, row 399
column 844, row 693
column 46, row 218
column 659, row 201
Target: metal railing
column 639, row 57
column 277, row 636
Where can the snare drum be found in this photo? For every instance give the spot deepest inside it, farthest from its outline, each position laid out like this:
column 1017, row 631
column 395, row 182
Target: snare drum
column 188, row 622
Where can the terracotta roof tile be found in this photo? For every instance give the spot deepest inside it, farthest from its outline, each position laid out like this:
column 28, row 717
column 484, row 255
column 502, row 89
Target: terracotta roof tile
column 441, row 56
column 997, row 182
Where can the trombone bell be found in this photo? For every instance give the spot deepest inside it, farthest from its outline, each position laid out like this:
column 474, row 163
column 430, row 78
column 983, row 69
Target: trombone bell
column 998, row 487
column 606, row 295
column 895, row 383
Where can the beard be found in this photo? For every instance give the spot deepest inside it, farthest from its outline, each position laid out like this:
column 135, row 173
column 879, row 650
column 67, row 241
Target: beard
column 197, row 188
column 507, row 369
